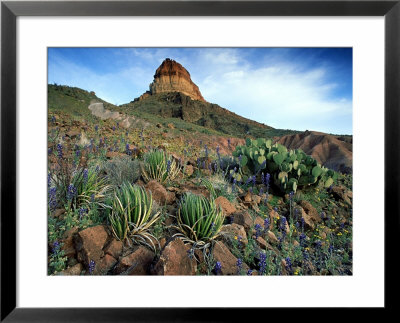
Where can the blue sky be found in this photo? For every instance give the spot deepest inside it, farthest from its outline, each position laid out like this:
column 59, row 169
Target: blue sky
column 289, row 88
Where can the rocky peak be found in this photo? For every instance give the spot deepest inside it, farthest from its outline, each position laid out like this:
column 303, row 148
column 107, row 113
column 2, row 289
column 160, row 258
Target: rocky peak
column 171, row 76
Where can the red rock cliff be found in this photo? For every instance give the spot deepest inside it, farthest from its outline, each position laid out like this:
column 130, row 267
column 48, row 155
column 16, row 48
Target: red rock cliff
column 173, row 77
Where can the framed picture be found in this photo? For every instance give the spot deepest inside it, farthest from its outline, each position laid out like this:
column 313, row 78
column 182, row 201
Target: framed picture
column 230, row 123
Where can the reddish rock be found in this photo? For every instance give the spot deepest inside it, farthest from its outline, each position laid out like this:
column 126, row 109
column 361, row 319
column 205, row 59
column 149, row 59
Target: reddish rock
column 136, row 263
column 341, row 193
column 71, row 271
column 234, row 232
column 104, row 265
column 272, row 237
column 114, row 248
column 244, row 219
column 310, row 210
column 89, row 244
column 308, row 221
column 160, row 195
column 188, row 170
column 171, row 76
column 226, row 206
column 227, row 260
column 58, row 212
column 174, row 260
column 68, row 243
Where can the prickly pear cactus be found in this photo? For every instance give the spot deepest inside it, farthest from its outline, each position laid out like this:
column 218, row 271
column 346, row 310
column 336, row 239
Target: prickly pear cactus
column 291, row 169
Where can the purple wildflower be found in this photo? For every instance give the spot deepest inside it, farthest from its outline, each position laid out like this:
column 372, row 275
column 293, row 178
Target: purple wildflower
column 218, row 268
column 92, row 265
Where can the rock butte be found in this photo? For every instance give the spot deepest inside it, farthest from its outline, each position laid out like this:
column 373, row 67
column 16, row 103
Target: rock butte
column 171, row 76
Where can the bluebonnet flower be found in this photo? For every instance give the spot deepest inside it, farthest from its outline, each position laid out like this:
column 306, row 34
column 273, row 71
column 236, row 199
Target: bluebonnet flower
column 229, row 142
column 204, row 165
column 291, row 194
column 92, row 265
column 251, row 190
column 240, row 159
column 283, row 224
column 82, row 211
column 330, row 249
column 53, row 119
column 92, row 198
column 77, row 153
column 52, row 198
column 96, row 127
column 56, row 247
column 198, row 162
column 117, row 124
column 266, row 224
column 201, row 142
column 248, row 181
column 318, row 244
column 209, row 167
column 217, row 150
column 85, row 175
column 302, row 239
column 322, row 215
column 239, row 265
column 262, row 263
column 60, row 151
column 249, row 272
column 113, row 128
column 50, row 151
column 71, row 192
column 288, row 264
column 261, row 191
column 48, row 180
column 206, row 150
column 258, row 230
column 168, row 166
column 254, row 180
column 218, row 268
column 100, row 141
column 267, row 178
column 215, row 168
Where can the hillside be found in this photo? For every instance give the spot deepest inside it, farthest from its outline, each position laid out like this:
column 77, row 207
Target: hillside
column 335, row 152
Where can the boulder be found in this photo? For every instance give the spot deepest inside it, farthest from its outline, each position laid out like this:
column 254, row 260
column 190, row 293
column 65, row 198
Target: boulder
column 71, row 271
column 160, row 195
column 136, row 263
column 227, row 260
column 114, row 248
column 104, row 265
column 175, row 260
column 225, row 205
column 89, row 244
column 68, row 243
column 234, row 232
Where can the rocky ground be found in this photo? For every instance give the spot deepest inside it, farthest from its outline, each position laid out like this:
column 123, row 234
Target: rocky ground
column 264, row 233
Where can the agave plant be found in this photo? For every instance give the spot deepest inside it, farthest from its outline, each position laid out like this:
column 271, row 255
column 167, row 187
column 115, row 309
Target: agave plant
column 131, row 214
column 199, row 220
column 159, row 166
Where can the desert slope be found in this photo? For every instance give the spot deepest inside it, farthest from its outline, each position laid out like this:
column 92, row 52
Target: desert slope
column 335, row 152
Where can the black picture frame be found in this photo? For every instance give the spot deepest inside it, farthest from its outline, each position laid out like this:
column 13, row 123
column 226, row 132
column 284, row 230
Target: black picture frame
column 10, row 10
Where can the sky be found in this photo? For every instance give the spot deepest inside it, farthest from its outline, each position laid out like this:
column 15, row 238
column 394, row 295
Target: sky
column 286, row 88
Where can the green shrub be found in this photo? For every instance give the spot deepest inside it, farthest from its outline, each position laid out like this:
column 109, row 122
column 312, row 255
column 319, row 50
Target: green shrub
column 159, row 166
column 122, row 169
column 131, row 214
column 199, row 220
